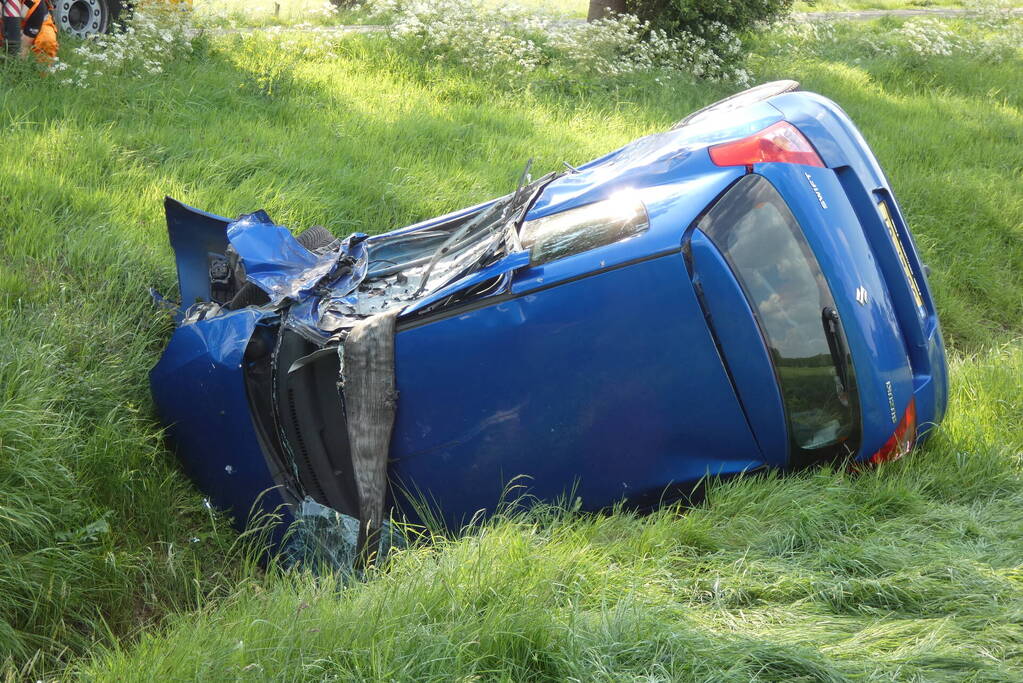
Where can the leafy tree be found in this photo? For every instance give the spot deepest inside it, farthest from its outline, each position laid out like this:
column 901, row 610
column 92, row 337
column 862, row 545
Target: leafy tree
column 603, row 8
column 694, row 16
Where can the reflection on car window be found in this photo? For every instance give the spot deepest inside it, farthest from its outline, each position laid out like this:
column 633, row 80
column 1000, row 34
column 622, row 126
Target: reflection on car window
column 766, row 249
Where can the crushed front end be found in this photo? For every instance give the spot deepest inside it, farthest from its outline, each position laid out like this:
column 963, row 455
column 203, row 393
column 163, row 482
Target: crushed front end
column 277, row 385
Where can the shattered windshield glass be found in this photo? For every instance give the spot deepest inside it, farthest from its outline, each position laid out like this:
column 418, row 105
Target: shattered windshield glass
column 323, row 293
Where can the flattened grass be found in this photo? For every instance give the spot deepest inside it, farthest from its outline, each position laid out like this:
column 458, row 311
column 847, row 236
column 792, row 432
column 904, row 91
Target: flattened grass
column 912, row 571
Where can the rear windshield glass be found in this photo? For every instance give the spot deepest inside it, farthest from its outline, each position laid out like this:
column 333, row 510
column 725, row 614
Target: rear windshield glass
column 765, row 248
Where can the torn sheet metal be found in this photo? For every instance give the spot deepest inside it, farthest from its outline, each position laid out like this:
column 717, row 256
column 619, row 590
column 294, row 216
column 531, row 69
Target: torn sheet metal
column 344, row 298
column 279, row 265
column 325, row 294
column 194, row 235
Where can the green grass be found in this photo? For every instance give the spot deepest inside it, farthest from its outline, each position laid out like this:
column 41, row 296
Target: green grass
column 222, row 13
column 909, row 572
column 110, row 562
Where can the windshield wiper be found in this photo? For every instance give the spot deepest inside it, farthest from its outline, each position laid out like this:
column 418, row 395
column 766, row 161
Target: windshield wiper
column 836, row 344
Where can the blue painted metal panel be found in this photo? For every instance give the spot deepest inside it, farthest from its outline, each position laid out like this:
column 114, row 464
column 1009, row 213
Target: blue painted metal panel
column 933, row 398
column 840, row 144
column 875, row 340
column 652, row 160
column 836, row 139
column 671, row 208
column 199, row 391
column 611, row 380
column 194, row 235
column 743, row 347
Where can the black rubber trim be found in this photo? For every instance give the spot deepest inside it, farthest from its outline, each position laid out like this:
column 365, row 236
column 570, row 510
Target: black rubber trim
column 259, row 391
column 312, row 421
column 249, row 295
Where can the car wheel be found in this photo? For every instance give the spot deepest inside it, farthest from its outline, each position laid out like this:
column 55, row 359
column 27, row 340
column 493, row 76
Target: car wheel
column 84, row 18
column 315, row 237
column 742, row 99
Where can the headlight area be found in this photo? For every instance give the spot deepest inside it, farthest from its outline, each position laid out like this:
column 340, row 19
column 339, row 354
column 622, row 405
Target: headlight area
column 581, row 229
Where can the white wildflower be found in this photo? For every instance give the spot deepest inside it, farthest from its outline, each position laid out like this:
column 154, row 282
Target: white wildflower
column 153, row 36
column 510, row 42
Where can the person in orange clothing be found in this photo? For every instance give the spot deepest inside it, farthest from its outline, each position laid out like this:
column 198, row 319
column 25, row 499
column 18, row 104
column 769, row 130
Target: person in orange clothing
column 35, row 32
column 39, row 33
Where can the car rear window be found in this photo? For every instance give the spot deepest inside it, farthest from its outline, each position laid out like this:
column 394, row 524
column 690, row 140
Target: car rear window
column 766, row 249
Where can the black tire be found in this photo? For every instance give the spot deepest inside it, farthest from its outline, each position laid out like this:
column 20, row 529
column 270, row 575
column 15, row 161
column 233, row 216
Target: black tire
column 314, row 237
column 84, row 18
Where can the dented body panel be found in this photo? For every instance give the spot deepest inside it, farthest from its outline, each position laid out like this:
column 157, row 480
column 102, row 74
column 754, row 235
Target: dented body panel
column 199, row 390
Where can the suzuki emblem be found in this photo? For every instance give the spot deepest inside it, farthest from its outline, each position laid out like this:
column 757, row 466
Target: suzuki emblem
column 861, row 296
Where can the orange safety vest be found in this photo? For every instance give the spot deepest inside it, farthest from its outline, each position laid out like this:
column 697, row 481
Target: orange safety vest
column 45, row 44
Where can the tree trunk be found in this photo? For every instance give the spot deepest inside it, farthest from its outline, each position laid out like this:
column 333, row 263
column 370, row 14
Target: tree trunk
column 600, row 9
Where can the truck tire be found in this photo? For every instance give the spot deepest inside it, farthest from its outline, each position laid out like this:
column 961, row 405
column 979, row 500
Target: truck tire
column 84, row 18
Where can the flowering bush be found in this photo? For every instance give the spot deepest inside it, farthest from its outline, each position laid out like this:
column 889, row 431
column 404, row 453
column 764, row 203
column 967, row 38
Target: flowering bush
column 926, row 37
column 510, row 42
column 990, row 31
column 153, row 36
column 695, row 15
column 993, row 33
column 798, row 33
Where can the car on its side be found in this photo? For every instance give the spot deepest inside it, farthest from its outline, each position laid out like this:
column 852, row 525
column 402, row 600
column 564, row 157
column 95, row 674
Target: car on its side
column 737, row 293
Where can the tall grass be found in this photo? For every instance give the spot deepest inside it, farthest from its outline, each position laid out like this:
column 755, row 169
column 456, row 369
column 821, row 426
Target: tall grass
column 912, row 571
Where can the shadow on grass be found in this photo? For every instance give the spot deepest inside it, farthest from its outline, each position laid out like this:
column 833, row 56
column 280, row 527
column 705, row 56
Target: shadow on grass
column 109, row 538
column 357, row 142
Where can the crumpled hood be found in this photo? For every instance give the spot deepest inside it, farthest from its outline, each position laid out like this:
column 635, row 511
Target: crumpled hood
column 279, row 265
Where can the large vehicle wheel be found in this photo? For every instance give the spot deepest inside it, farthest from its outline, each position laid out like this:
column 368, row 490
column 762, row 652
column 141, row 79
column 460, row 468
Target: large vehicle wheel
column 84, row 18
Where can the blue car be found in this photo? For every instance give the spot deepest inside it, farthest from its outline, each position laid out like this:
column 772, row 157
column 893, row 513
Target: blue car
column 737, row 293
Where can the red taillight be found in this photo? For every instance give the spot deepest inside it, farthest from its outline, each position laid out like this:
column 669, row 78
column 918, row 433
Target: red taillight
column 780, row 142
column 901, row 442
